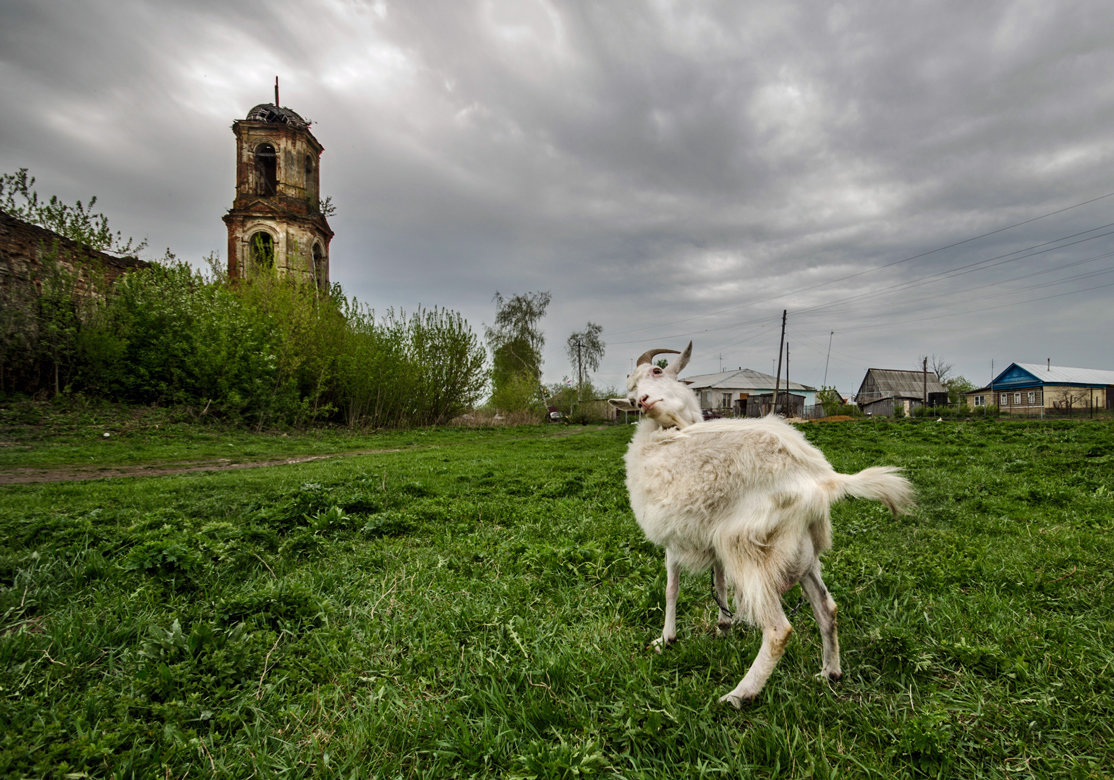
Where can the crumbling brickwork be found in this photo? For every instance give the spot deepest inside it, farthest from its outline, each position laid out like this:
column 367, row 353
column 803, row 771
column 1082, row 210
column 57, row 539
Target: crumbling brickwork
column 26, row 250
column 276, row 219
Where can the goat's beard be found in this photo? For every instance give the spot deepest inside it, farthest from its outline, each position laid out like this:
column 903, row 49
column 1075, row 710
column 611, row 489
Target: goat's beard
column 668, row 419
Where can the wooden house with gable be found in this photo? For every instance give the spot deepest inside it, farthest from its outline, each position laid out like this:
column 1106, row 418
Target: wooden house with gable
column 883, row 390
column 1030, row 388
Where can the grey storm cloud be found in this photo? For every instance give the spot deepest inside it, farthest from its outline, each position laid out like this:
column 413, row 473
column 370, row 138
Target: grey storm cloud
column 909, row 176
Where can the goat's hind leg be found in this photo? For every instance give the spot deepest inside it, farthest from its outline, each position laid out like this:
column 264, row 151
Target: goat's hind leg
column 775, row 636
column 824, row 608
column 672, row 588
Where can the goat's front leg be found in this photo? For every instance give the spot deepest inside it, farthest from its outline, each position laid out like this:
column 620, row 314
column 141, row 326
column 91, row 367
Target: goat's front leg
column 824, row 608
column 719, row 582
column 672, row 588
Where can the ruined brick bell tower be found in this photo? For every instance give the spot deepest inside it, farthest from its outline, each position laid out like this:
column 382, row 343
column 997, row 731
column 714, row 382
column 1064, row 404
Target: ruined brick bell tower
column 276, row 220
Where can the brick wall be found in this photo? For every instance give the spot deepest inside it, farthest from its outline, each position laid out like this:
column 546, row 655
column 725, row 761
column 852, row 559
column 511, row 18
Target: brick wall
column 26, row 248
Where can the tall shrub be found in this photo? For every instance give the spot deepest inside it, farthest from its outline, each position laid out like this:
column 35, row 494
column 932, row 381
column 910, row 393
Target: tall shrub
column 447, row 362
column 306, row 328
column 167, row 336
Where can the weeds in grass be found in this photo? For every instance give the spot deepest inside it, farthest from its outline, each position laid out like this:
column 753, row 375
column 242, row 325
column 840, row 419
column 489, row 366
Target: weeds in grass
column 480, row 602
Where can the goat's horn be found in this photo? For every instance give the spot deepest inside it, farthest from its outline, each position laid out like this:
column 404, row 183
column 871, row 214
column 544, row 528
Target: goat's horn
column 679, row 364
column 649, row 355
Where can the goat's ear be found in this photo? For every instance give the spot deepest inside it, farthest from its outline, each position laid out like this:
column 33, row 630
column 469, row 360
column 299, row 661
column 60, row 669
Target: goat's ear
column 678, row 364
column 622, row 404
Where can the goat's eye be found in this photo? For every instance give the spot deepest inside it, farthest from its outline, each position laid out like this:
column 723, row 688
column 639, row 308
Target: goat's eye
column 657, row 372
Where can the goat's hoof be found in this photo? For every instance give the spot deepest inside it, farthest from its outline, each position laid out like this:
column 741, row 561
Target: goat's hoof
column 829, row 676
column 661, row 643
column 735, row 700
column 724, row 629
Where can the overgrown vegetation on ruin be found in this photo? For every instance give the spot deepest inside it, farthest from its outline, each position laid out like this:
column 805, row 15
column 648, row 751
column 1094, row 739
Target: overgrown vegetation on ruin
column 264, row 352
column 466, row 603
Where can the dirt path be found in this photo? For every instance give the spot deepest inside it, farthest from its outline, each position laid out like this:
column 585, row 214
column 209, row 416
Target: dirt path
column 22, row 476
column 19, row 476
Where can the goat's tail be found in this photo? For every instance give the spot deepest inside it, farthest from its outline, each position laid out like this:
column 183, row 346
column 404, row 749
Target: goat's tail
column 881, row 483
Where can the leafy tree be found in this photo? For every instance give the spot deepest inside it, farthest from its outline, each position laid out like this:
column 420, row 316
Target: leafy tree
column 833, row 404
column 958, row 387
column 830, row 399
column 585, row 350
column 516, row 343
column 77, row 222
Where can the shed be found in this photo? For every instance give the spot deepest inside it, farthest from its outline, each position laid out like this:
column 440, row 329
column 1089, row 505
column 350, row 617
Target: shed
column 885, row 389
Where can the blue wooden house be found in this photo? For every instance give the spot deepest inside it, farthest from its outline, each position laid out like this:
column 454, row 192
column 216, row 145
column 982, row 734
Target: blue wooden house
column 1029, row 388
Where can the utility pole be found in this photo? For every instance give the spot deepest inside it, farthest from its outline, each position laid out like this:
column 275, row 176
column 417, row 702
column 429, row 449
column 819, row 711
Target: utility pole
column 780, row 344
column 787, row 376
column 924, row 379
column 829, row 357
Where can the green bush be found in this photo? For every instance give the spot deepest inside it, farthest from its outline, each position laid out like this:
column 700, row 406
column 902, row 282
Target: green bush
column 264, row 351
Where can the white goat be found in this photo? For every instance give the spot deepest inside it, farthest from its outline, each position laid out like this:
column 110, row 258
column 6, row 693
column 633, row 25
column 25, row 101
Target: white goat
column 750, row 498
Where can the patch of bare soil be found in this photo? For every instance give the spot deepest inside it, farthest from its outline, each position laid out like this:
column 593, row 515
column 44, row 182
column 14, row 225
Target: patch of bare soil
column 19, row 476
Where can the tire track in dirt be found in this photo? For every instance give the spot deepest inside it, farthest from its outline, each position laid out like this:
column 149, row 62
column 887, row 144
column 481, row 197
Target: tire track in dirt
column 23, row 476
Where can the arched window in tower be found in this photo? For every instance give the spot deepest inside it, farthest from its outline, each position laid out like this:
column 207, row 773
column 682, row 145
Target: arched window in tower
column 262, row 248
column 266, row 170
column 311, row 184
column 319, row 266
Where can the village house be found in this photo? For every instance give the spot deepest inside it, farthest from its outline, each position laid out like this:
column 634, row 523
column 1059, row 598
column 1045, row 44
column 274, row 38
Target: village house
column 884, row 390
column 745, row 392
column 1030, row 388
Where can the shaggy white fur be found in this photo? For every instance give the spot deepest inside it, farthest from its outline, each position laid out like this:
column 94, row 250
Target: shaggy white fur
column 751, row 499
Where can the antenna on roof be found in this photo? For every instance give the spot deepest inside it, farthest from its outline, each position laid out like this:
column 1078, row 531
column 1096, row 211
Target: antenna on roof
column 276, row 92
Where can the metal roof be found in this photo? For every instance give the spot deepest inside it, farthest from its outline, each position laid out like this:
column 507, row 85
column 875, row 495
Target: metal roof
column 741, row 379
column 901, row 383
column 1065, row 375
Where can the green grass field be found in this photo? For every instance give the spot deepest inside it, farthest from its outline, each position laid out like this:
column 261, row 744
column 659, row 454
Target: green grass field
column 479, row 603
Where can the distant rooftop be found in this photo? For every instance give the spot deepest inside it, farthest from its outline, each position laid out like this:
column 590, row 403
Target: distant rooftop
column 1067, row 375
column 900, row 383
column 741, row 379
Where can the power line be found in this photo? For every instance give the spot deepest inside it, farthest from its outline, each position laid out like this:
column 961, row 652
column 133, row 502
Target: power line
column 900, row 286
column 979, row 265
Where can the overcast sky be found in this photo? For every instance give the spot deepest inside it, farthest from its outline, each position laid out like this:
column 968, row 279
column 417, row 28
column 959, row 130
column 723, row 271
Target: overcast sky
column 921, row 178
